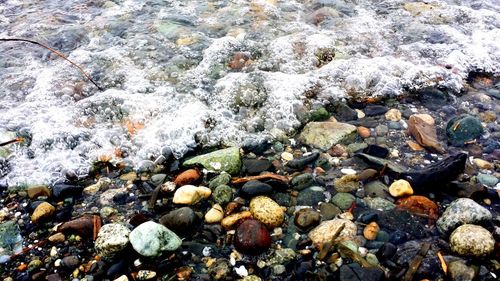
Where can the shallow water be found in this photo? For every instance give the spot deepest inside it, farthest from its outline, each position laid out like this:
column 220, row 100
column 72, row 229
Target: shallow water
column 171, row 79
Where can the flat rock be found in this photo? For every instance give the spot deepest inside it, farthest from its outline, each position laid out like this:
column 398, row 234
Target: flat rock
column 228, row 160
column 324, row 135
column 325, row 231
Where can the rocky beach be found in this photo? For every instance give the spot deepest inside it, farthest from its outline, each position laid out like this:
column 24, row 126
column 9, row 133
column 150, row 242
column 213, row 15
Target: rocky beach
column 251, row 140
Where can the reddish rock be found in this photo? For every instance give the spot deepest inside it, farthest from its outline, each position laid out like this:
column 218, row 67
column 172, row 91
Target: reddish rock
column 187, row 177
column 252, row 237
column 86, row 225
column 419, row 205
column 423, row 129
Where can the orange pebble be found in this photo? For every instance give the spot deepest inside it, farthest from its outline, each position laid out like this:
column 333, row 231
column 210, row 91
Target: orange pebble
column 363, row 132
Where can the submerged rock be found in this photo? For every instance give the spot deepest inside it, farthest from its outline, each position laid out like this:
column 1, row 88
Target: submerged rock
column 462, row 129
column 228, row 160
column 325, row 232
column 472, row 240
column 190, row 194
column 151, row 239
column 422, row 128
column 43, row 211
column 462, row 211
column 10, row 238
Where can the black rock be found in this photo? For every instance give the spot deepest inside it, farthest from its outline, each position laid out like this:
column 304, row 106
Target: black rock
column 368, row 217
column 398, row 237
column 182, row 221
column 254, row 187
column 387, row 251
column 256, row 166
column 376, row 150
column 70, row 262
column 432, row 98
column 302, row 162
column 61, row 191
column 256, row 146
column 120, row 198
column 302, row 181
column 375, row 110
column 310, row 196
column 354, row 272
column 117, row 269
column 342, row 112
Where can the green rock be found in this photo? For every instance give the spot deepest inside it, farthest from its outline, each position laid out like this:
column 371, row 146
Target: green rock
column 343, row 200
column 227, row 160
column 462, row 211
column 10, row 238
column 324, row 135
column 151, row 239
column 311, row 196
column 376, row 189
column 319, row 114
column 378, row 203
column 222, row 194
column 487, row 180
column 34, row 265
column 382, row 236
column 346, row 183
column 371, row 259
column 222, row 179
column 462, row 129
column 281, row 256
column 328, row 211
column 302, row 181
column 357, row 146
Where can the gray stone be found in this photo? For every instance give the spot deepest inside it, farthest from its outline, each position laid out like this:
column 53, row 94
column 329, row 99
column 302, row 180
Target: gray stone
column 10, row 238
column 378, row 203
column 462, row 211
column 343, row 200
column 328, row 211
column 324, row 135
column 111, row 239
column 151, row 239
column 228, row 160
column 376, row 189
column 487, row 180
column 459, row 271
column 302, row 181
column 472, row 240
column 223, row 178
column 310, row 196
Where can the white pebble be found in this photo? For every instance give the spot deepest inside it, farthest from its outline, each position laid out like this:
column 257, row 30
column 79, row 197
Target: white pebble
column 207, row 251
column 241, row 271
column 348, row 171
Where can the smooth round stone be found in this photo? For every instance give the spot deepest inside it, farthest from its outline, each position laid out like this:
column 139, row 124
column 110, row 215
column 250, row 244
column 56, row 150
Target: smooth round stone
column 374, row 110
column 462, row 211
column 472, row 240
column 458, row 270
column 398, row 237
column 325, row 231
column 145, row 166
column 222, row 194
column 310, row 196
column 381, row 130
column 386, row 252
column 371, row 230
column 146, row 275
column 254, row 188
column 394, row 125
column 180, row 221
column 343, row 200
column 346, row 183
column 368, row 217
column 400, row 188
column 42, row 212
column 382, row 236
column 190, row 194
column 111, row 239
column 462, row 129
column 267, row 211
column 215, row 214
column 256, row 166
column 252, row 237
column 372, row 259
column 328, row 211
column 487, row 180
column 151, row 239
column 36, row 191
column 307, row 218
column 302, row 181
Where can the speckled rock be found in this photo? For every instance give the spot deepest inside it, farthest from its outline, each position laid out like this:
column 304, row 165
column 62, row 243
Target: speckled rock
column 324, row 232
column 151, row 239
column 222, row 194
column 307, row 218
column 190, row 194
column 346, row 183
column 112, row 239
column 228, row 160
column 400, row 188
column 378, row 203
column 462, row 211
column 43, row 211
column 267, row 211
column 343, row 200
column 472, row 240
column 311, row 196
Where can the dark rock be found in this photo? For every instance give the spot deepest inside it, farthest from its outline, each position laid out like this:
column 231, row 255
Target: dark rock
column 257, row 146
column 306, row 219
column 70, row 262
column 354, row 272
column 302, row 181
column 256, row 166
column 83, row 225
column 342, row 112
column 395, row 219
column 376, row 189
column 462, row 129
column 282, row 198
column 117, row 269
column 302, row 162
column 120, row 198
column 54, row 277
column 374, row 244
column 375, row 110
column 328, row 211
column 368, row 217
column 61, row 191
column 432, row 98
column 167, row 153
column 310, row 196
column 182, row 221
column 254, row 187
column 399, row 237
column 377, row 151
column 252, row 237
column 386, row 252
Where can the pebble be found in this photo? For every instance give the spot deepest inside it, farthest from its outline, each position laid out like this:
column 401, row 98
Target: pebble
column 364, row 132
column 230, row 221
column 252, row 237
column 286, row 156
column 38, row 191
column 472, row 240
column 371, row 230
column 151, row 239
column 42, row 212
column 328, row 211
column 378, row 203
column 400, row 188
column 482, row 164
column 346, row 183
column 462, row 211
column 111, row 239
column 267, row 211
column 180, row 221
column 222, row 179
column 222, row 194
column 307, row 218
column 462, row 129
column 376, row 189
column 393, row 115
column 324, row 232
column 146, row 275
column 215, row 214
column 57, row 238
column 343, row 200
column 253, row 188
column 487, row 180
column 458, row 270
column 190, row 194
column 187, row 177
column 302, row 181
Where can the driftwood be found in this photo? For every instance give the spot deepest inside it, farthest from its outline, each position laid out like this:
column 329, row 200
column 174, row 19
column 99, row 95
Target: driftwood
column 260, row 177
column 55, row 52
column 417, row 260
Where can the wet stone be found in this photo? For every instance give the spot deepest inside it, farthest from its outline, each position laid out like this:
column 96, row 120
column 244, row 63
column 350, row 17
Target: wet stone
column 472, row 240
column 256, row 166
column 343, row 200
column 376, row 189
column 347, row 183
column 252, row 237
column 307, row 218
column 222, row 194
column 328, row 211
column 181, row 221
column 111, row 239
column 303, row 161
column 462, row 129
column 354, row 272
column 459, row 271
column 222, row 179
column 378, row 203
column 151, row 239
column 254, row 188
column 302, row 181
column 311, row 196
column 462, row 211
column 375, row 110
column 487, row 180
column 267, row 211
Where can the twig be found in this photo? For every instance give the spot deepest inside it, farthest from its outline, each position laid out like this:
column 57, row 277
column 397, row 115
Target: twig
column 443, row 262
column 415, row 263
column 259, row 177
column 11, row 141
column 57, row 53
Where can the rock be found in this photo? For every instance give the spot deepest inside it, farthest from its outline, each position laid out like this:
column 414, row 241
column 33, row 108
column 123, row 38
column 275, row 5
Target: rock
column 319, row 114
column 215, row 214
column 371, row 230
column 57, row 238
column 375, row 110
column 378, row 203
column 346, row 183
column 419, row 205
column 146, row 275
column 302, row 181
column 343, row 200
column 472, row 240
column 462, row 211
column 256, row 166
column 220, row 270
column 381, row 130
column 252, row 237
column 267, row 211
column 354, row 272
column 10, row 238
column 376, row 150
column 462, row 129
column 222, row 179
column 400, row 188
column 324, row 135
column 38, row 191
column 483, row 164
column 386, row 252
column 227, row 160
column 363, row 132
column 180, row 221
column 376, row 189
column 459, row 271
column 222, row 194
column 151, row 239
column 343, row 112
column 372, row 259
column 328, row 211
column 393, row 115
column 42, row 212
column 307, row 218
column 431, row 97
column 83, row 225
column 230, row 221
column 190, row 194
column 324, row 232
column 187, row 177
column 310, row 196
column 422, row 128
column 70, row 262
column 61, row 191
column 286, row 156
column 111, row 239
column 487, row 180
column 253, row 188
column 301, row 162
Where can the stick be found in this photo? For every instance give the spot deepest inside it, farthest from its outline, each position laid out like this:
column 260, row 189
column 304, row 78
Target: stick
column 57, row 53
column 415, row 263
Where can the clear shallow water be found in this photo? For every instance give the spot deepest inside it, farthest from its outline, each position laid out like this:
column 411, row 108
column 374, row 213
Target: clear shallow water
column 171, row 79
